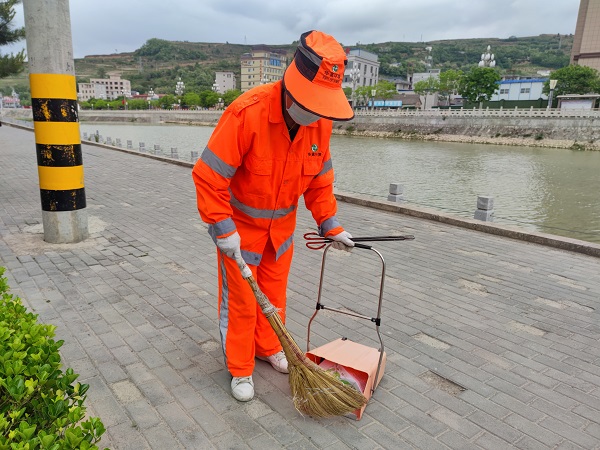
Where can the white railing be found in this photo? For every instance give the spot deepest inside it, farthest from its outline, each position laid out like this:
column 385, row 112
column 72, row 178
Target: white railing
column 484, row 112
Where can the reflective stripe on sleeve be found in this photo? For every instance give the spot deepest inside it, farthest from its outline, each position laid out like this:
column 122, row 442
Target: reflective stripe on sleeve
column 221, row 228
column 327, row 166
column 217, row 164
column 329, row 224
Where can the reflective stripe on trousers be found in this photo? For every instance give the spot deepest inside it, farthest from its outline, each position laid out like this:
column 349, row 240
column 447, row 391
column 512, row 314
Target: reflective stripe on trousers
column 245, row 332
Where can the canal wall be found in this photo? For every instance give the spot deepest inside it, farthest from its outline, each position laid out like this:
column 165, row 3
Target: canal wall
column 581, row 133
column 523, row 128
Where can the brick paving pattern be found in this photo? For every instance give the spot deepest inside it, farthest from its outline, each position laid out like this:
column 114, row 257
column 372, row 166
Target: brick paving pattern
column 491, row 342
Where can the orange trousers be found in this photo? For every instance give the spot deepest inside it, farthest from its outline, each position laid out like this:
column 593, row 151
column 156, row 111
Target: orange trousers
column 245, row 332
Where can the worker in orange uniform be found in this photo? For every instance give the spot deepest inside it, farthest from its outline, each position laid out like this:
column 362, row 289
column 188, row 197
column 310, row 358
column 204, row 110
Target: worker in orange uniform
column 270, row 147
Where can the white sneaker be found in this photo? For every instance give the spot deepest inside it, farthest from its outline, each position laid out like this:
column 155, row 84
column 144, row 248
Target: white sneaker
column 278, row 361
column 242, row 388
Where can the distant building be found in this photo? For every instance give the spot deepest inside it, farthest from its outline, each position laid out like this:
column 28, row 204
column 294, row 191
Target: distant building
column 262, row 65
column 368, row 68
column 586, row 43
column 522, row 89
column 225, row 81
column 420, row 76
column 12, row 101
column 402, row 84
column 409, row 100
column 86, row 91
column 104, row 88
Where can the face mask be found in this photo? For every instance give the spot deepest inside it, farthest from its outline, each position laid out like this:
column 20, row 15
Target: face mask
column 301, row 116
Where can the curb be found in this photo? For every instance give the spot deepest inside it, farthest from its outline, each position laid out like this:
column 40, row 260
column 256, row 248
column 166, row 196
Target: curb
column 550, row 240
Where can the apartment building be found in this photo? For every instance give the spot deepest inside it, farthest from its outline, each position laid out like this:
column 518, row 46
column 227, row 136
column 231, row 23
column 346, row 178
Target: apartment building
column 104, row 88
column 367, row 69
column 224, row 81
column 586, row 42
column 262, row 65
column 86, row 91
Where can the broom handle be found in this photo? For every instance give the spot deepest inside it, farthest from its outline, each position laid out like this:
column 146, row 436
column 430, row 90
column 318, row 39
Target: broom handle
column 265, row 305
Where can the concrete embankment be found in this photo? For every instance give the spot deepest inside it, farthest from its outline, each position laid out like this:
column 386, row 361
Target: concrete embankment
column 534, row 130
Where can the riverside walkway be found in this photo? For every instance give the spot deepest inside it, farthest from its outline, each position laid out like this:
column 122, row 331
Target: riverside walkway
column 491, row 342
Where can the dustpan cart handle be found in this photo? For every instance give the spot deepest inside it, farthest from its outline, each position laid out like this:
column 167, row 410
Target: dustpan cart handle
column 376, row 320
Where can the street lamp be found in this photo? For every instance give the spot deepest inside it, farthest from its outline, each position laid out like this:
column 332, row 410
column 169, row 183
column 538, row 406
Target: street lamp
column 15, row 97
column 552, row 86
column 150, row 96
column 487, row 58
column 215, row 88
column 354, row 76
column 373, row 92
column 124, row 95
column 179, row 87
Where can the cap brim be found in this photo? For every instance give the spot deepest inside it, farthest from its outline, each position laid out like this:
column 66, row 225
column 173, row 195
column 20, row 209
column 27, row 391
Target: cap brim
column 328, row 103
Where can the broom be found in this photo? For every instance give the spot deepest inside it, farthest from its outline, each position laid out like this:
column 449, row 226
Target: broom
column 315, row 392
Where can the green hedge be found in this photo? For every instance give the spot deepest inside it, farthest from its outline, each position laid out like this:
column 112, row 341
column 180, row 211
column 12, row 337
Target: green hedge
column 40, row 406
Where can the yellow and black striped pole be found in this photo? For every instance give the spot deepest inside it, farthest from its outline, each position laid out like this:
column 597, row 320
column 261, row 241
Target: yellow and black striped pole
column 55, row 120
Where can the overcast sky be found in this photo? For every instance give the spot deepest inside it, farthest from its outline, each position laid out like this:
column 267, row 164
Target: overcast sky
column 109, row 26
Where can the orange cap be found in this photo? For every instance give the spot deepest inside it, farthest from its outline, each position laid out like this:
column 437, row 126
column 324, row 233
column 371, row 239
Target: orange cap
column 314, row 78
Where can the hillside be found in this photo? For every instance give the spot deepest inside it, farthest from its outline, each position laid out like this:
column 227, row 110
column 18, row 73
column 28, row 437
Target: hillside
column 159, row 63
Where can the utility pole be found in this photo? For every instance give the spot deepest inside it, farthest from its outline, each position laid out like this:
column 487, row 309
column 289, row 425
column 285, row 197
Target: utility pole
column 56, row 120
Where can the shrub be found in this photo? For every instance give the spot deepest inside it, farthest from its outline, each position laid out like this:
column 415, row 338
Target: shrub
column 40, row 406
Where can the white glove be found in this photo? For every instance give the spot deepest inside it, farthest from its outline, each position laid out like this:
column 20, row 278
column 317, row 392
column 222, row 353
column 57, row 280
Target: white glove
column 230, row 245
column 342, row 241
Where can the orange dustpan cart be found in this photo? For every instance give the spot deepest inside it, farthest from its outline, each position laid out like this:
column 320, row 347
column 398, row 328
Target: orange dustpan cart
column 357, row 364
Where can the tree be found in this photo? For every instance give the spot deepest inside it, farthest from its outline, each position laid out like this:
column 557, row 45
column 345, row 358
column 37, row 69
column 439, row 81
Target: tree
column 449, row 82
column 167, row 101
column 209, row 98
column 426, row 87
column 10, row 64
column 363, row 94
column 101, row 72
column 479, row 84
column 574, row 80
column 190, row 99
column 385, row 89
column 230, row 95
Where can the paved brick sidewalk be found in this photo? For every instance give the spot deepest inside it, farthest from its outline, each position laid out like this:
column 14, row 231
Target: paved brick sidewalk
column 491, row 342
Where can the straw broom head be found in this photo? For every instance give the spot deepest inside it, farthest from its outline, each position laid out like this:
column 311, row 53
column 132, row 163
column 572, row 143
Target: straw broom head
column 316, row 392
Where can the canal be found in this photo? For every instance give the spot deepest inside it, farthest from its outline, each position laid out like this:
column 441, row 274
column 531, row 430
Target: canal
column 554, row 191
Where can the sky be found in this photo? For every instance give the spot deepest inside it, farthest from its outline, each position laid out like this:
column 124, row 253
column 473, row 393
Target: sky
column 101, row 27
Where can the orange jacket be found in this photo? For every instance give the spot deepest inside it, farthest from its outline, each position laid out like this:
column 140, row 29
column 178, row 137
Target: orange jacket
column 250, row 176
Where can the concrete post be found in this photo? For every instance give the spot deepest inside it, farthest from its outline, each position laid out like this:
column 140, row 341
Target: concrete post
column 118, row 144
column 109, row 140
column 194, row 156
column 174, row 153
column 129, row 144
column 55, row 120
column 485, row 209
column 156, row 149
column 142, row 147
column 396, row 191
